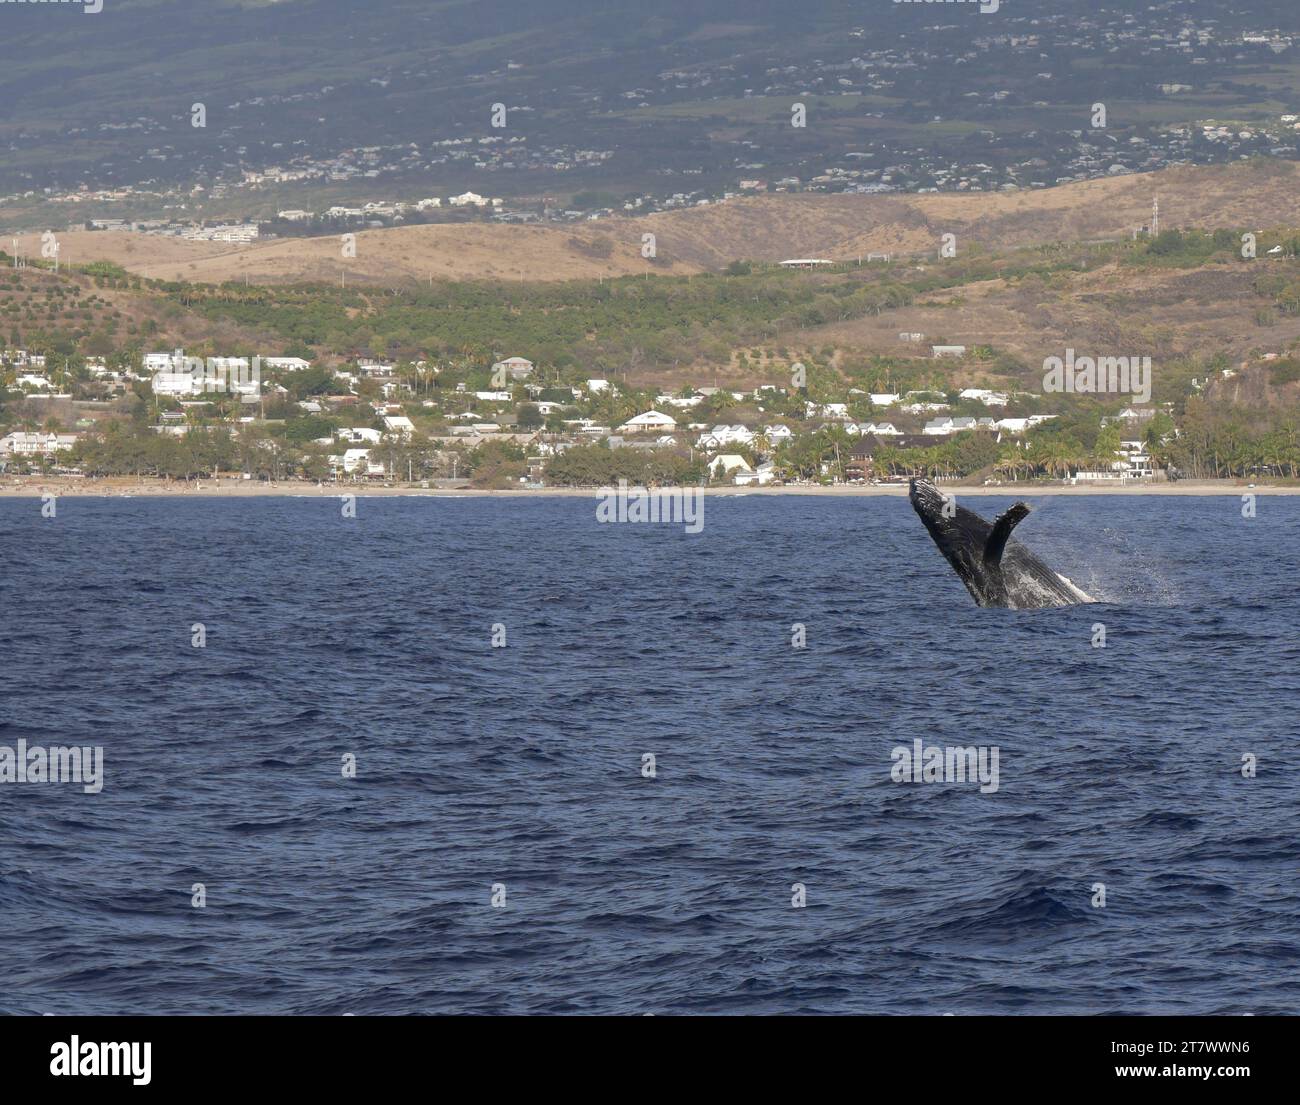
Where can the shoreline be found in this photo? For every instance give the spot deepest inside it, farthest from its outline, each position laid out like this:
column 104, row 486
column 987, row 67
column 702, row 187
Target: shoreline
column 34, row 487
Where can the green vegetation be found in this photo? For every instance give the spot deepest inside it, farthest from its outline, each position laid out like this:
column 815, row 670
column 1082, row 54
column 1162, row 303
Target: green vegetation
column 600, row 466
column 127, row 450
column 1232, row 441
column 628, row 322
column 587, row 325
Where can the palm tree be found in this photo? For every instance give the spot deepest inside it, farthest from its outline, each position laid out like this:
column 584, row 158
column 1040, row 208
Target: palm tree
column 1105, row 450
column 1051, row 454
column 1010, row 459
column 888, row 459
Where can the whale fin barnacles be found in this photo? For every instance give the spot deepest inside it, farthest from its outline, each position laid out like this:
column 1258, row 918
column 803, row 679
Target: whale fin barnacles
column 1001, row 532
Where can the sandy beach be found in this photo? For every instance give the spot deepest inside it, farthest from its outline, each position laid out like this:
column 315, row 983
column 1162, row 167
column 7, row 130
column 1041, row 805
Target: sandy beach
column 35, row 486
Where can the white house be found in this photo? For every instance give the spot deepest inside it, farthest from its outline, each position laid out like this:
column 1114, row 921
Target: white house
column 651, row 420
column 232, row 232
column 517, row 368
column 20, row 358
column 358, row 459
column 724, row 464
column 839, row 411
column 1138, row 462
column 982, row 395
column 163, row 362
column 286, row 364
column 947, row 425
column 177, row 383
column 765, row 473
column 1133, row 463
column 778, row 433
column 884, row 399
column 358, row 434
column 468, row 199
column 683, row 401
column 721, row 435
column 597, row 387
column 399, row 425
column 24, row 443
column 947, row 350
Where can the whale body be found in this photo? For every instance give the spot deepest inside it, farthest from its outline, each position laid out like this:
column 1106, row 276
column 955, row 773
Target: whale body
column 996, row 570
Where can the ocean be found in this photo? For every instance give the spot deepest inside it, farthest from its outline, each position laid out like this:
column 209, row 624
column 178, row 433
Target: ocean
column 649, row 800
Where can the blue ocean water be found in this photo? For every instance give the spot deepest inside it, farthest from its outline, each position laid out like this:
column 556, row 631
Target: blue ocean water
column 522, row 765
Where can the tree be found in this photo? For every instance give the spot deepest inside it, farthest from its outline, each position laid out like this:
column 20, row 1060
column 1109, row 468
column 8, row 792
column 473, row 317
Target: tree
column 1106, row 450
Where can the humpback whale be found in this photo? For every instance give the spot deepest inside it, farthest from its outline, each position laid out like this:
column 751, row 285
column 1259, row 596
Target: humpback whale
column 996, row 570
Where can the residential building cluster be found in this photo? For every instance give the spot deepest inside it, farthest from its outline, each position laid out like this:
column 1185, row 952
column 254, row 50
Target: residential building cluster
column 372, row 406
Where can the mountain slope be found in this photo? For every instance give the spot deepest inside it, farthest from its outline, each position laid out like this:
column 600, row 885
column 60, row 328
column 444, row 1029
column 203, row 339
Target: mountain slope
column 1258, row 195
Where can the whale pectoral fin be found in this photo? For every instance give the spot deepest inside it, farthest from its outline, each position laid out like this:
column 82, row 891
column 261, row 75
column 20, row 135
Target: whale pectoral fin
column 1001, row 532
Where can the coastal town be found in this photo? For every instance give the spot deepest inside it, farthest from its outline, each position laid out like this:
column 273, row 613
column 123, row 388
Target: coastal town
column 739, row 378
column 504, row 425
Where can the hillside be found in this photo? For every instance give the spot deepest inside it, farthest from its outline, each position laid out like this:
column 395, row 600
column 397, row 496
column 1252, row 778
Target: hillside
column 1260, row 194
column 1163, row 314
column 389, row 257
column 1257, row 194
column 394, row 97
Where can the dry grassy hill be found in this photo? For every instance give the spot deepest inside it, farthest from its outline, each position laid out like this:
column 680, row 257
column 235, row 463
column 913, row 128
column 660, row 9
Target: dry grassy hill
column 1261, row 195
column 392, row 257
column 1160, row 314
column 767, row 228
